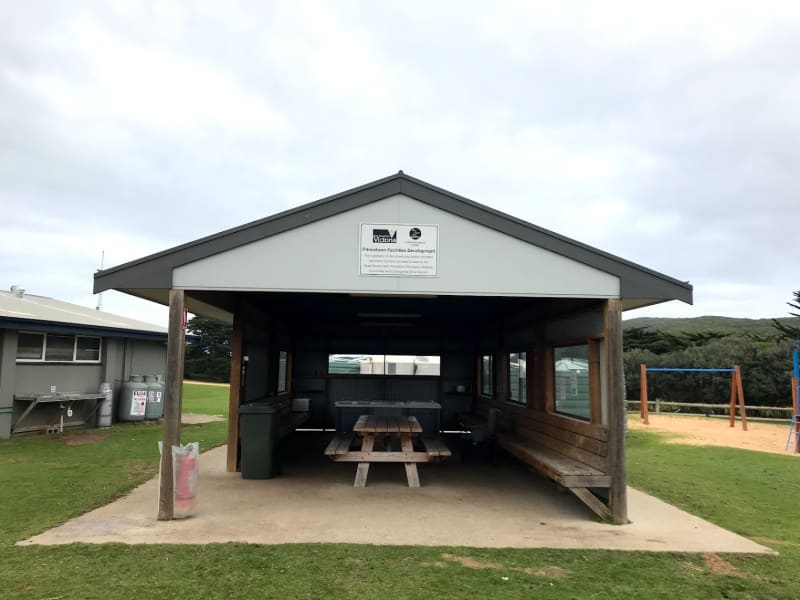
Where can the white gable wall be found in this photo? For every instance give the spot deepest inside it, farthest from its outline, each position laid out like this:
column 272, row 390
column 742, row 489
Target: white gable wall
column 324, row 257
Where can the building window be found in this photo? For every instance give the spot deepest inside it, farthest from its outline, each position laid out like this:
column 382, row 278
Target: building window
column 52, row 347
column 59, row 348
column 571, row 366
column 517, row 377
column 383, row 364
column 30, row 346
column 487, row 375
column 87, row 349
column 283, row 364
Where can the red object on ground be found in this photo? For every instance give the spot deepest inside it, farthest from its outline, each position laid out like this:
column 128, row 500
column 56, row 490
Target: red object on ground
column 185, row 481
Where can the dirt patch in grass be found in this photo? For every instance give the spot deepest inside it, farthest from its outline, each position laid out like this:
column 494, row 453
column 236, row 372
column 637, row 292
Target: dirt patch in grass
column 83, row 439
column 197, row 419
column 209, row 383
column 709, row 431
column 472, row 563
column 719, row 566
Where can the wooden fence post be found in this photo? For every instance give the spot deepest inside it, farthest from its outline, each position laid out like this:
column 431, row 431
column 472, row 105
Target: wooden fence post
column 643, row 408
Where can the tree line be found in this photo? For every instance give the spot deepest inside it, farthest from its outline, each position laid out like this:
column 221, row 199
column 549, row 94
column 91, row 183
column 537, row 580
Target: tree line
column 765, row 360
column 763, row 356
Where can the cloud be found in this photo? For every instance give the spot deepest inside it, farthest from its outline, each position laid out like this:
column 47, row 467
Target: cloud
column 665, row 134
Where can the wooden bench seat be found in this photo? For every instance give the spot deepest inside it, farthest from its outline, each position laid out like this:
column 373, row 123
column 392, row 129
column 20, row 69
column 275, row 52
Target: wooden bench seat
column 340, row 444
column 561, row 469
column 436, row 448
column 574, row 475
column 571, row 454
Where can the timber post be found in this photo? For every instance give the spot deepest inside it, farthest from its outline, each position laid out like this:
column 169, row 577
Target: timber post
column 172, row 403
column 643, row 407
column 235, row 397
column 617, row 494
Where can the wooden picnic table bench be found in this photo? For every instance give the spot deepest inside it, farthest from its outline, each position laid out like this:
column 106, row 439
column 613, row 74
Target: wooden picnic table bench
column 368, row 428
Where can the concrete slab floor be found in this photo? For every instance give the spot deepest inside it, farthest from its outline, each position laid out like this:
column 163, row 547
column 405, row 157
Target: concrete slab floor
column 470, row 503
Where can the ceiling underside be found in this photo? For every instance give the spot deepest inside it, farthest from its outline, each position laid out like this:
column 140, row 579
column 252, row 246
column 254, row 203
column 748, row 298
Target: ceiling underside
column 335, row 314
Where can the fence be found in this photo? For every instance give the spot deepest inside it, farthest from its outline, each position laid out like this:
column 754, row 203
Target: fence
column 660, row 406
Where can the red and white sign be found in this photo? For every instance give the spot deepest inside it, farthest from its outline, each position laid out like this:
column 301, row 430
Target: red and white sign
column 138, row 403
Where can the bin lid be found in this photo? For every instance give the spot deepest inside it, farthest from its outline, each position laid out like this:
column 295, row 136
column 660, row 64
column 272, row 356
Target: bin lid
column 257, row 407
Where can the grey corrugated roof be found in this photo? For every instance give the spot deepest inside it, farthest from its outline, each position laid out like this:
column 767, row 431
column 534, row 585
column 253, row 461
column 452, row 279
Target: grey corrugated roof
column 155, row 271
column 34, row 310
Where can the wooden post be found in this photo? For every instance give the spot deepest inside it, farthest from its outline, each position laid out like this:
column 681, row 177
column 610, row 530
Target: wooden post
column 617, row 494
column 737, row 393
column 643, row 408
column 732, row 407
column 595, row 395
column 235, row 396
column 737, row 373
column 172, row 402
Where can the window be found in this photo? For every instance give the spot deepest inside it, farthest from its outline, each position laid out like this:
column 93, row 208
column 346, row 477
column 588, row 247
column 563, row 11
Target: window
column 487, row 375
column 283, row 361
column 51, row 347
column 30, row 346
column 571, row 364
column 59, row 347
column 517, row 377
column 383, row 364
column 87, row 348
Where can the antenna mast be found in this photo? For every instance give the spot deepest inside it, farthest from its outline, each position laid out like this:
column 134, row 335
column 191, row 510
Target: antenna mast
column 100, row 295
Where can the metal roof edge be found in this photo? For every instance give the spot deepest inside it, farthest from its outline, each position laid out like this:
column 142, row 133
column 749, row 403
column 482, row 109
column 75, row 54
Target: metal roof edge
column 557, row 237
column 239, row 230
column 77, row 328
column 155, row 271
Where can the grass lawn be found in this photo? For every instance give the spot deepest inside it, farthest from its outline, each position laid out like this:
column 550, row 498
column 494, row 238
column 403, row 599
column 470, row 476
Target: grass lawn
column 205, row 399
column 44, row 481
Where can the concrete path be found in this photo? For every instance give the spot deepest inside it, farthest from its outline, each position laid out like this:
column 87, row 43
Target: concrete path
column 474, row 504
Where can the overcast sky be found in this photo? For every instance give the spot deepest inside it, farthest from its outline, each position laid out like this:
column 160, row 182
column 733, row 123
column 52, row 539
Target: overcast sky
column 667, row 134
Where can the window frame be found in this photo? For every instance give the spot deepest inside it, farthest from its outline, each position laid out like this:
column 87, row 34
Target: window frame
column 585, row 342
column 386, row 363
column 492, row 378
column 99, row 349
column 523, row 401
column 74, row 360
column 282, row 387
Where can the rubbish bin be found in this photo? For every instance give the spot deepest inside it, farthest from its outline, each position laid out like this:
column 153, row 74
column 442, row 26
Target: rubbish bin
column 258, row 434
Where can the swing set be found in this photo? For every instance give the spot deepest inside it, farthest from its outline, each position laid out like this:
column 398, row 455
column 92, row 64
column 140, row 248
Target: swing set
column 737, row 392
column 794, row 427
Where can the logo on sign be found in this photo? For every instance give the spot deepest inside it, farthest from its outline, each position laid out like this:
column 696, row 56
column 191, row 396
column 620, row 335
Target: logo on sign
column 384, row 236
column 415, row 233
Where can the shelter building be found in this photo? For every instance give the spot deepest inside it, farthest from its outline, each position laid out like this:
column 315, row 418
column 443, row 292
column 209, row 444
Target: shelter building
column 49, row 347
column 399, row 267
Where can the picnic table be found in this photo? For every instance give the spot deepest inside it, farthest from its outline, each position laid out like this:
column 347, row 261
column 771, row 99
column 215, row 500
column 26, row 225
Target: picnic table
column 389, row 430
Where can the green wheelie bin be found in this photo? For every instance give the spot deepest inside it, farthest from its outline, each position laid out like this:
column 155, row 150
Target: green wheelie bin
column 258, row 435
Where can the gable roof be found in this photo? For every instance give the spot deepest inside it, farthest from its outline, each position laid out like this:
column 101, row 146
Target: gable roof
column 154, row 272
column 29, row 312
